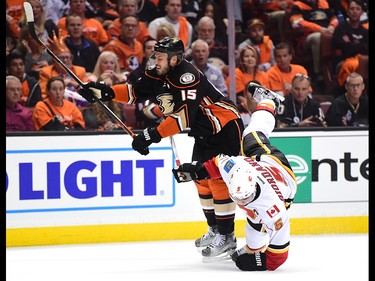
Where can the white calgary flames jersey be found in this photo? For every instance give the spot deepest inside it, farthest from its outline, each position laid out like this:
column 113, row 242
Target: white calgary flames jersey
column 278, row 186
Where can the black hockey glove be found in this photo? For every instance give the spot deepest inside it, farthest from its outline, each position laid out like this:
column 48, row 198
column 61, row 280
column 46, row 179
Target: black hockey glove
column 190, row 171
column 249, row 262
column 99, row 89
column 142, row 141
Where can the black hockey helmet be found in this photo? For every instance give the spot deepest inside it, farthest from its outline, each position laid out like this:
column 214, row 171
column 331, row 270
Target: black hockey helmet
column 170, row 45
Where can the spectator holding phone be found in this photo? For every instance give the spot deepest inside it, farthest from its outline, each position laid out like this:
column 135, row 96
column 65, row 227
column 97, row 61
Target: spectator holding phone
column 299, row 109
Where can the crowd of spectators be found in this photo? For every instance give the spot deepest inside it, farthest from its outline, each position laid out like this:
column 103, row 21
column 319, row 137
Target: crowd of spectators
column 278, row 45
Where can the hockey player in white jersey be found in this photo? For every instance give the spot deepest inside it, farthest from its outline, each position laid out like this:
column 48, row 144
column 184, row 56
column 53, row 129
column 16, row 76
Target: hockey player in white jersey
column 261, row 182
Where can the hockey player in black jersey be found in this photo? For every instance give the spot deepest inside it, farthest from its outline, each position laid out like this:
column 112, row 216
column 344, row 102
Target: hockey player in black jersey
column 188, row 101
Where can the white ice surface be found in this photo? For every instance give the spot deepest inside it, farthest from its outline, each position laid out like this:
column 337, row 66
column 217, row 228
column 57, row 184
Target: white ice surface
column 315, row 257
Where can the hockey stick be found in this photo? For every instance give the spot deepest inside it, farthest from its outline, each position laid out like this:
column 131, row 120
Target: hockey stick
column 174, row 150
column 30, row 22
column 174, row 147
column 176, row 157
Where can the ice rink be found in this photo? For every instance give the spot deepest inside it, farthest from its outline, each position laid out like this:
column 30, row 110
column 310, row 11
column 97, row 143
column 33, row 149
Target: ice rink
column 316, row 257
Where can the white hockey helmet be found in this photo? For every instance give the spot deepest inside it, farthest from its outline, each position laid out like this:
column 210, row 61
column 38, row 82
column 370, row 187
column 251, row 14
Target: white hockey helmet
column 242, row 184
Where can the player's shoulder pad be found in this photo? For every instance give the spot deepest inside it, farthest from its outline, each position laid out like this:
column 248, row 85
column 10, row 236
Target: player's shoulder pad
column 184, row 75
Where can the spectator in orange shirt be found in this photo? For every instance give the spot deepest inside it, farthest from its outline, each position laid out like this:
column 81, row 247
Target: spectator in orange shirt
column 59, row 48
column 92, row 28
column 182, row 27
column 127, row 7
column 128, row 49
column 55, row 113
column 262, row 42
column 281, row 74
column 14, row 11
column 247, row 70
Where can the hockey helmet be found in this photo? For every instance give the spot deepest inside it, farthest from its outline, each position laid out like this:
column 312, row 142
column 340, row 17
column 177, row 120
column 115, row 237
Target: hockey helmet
column 242, row 184
column 170, row 45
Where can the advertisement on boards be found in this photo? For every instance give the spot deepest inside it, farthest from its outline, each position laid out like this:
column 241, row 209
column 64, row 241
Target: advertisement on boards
column 88, row 179
column 328, row 168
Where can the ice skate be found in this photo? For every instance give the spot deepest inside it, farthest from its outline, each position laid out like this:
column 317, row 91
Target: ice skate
column 207, row 238
column 260, row 93
column 220, row 249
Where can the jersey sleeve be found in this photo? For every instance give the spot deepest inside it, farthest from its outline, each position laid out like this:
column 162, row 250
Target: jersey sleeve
column 41, row 115
column 124, row 93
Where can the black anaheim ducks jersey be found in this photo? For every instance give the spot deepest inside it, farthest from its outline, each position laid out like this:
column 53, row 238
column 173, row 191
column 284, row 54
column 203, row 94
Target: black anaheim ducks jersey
column 188, row 100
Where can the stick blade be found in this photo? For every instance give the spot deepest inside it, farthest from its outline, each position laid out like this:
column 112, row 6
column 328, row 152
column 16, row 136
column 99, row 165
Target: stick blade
column 28, row 11
column 30, row 22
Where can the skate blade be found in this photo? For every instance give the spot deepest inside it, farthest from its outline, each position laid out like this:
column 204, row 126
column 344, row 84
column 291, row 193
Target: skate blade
column 222, row 257
column 199, row 249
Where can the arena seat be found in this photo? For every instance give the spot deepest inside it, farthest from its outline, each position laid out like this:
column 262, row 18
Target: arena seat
column 325, row 105
column 129, row 114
